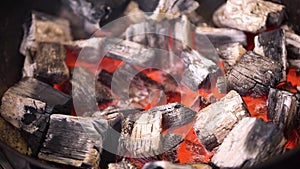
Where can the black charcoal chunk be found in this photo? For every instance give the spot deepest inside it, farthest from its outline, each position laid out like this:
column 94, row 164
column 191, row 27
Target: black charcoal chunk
column 47, row 63
column 283, row 109
column 254, row 75
column 249, row 15
column 44, row 28
column 199, row 71
column 30, row 88
column 292, row 45
column 28, row 105
column 222, row 36
column 171, row 143
column 97, row 12
column 231, row 53
column 171, row 9
column 141, row 136
column 250, row 142
column 75, row 141
column 272, row 44
column 130, row 52
column 173, row 115
column 214, row 122
column 292, row 41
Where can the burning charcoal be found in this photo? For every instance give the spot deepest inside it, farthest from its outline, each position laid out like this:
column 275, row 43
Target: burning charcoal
column 47, row 63
column 222, row 36
column 272, row 44
column 134, row 88
column 199, row 71
column 253, row 75
column 44, row 28
column 249, row 15
column 250, row 142
column 216, row 120
column 292, row 45
column 167, row 165
column 28, row 105
column 124, row 164
column 13, row 138
column 126, row 130
column 169, row 8
column 112, row 110
column 231, row 54
column 130, row 52
column 283, row 109
column 141, row 136
column 75, row 141
column 293, row 48
column 87, row 92
column 97, row 12
column 173, row 115
column 171, row 143
column 54, row 100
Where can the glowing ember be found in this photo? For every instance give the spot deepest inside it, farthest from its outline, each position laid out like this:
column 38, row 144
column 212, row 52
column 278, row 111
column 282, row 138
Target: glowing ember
column 191, row 150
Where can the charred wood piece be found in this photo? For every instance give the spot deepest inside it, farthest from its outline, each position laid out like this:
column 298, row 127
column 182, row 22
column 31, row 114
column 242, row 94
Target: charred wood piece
column 87, row 91
column 292, row 44
column 173, row 115
column 231, row 54
column 47, row 63
column 44, row 28
column 222, row 36
column 199, row 71
column 97, row 12
column 293, row 49
column 75, row 141
column 124, row 164
column 283, row 110
column 272, row 44
column 171, row 143
column 35, row 94
column 28, row 105
column 168, row 164
column 141, row 136
column 260, row 14
column 112, row 111
column 128, row 51
column 171, row 9
column 250, row 142
column 214, row 122
column 253, row 75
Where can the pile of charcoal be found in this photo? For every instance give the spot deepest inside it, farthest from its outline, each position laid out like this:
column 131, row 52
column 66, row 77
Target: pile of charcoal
column 161, row 88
